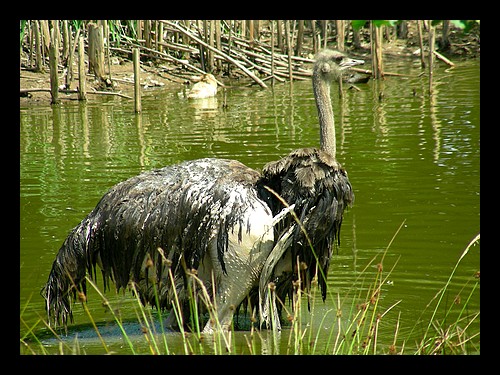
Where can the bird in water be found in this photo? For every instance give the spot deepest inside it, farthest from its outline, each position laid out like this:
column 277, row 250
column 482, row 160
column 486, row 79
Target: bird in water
column 214, row 226
column 205, row 88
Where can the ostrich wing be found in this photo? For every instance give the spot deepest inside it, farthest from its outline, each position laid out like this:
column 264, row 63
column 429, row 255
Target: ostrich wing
column 317, row 185
column 182, row 209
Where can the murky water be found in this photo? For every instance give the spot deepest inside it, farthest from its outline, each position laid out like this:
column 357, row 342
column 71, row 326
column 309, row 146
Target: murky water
column 413, row 161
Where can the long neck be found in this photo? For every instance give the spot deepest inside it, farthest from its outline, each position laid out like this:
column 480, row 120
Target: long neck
column 325, row 113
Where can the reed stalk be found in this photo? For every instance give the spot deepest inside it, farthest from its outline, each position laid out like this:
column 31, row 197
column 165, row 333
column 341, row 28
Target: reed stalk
column 147, row 328
column 355, row 329
column 437, row 335
column 53, row 64
column 137, row 81
column 117, row 320
column 432, row 39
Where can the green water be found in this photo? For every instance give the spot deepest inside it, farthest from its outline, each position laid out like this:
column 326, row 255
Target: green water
column 413, row 161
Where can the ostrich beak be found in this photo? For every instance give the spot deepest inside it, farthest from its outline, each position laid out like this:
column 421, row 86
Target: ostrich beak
column 348, row 62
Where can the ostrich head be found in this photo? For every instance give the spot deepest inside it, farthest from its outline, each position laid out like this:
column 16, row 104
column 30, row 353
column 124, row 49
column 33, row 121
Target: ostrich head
column 329, row 65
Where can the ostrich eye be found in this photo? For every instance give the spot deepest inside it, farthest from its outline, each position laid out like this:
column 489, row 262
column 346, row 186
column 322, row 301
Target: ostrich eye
column 325, row 68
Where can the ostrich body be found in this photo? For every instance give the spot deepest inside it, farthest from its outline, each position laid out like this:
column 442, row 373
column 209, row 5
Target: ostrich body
column 205, row 88
column 218, row 219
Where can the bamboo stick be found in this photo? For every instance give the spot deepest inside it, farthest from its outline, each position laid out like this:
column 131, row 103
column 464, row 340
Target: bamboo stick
column 75, row 44
column 218, row 43
column 203, row 53
column 81, row 70
column 445, row 36
column 176, row 47
column 147, row 33
column 110, row 93
column 108, row 52
column 53, row 63
column 261, row 54
column 272, row 53
column 69, row 60
column 138, row 29
column 137, row 78
column 211, row 41
column 300, row 37
column 289, row 49
column 376, row 50
column 243, row 28
column 421, row 43
column 29, row 37
column 222, row 54
column 280, row 36
column 38, row 47
column 73, row 91
column 443, row 59
column 65, row 40
column 44, row 28
column 432, row 39
column 96, row 51
column 368, row 71
column 312, row 23
column 250, row 32
column 159, row 37
column 324, row 26
column 161, row 56
column 340, row 25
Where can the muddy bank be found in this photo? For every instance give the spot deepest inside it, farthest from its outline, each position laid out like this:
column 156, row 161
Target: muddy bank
column 180, row 63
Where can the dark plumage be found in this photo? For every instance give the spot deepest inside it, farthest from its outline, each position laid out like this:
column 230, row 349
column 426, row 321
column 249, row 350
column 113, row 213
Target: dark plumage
column 229, row 225
column 320, row 190
column 192, row 211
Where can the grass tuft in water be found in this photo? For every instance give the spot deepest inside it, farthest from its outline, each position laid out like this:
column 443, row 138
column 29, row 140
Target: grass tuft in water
column 352, row 326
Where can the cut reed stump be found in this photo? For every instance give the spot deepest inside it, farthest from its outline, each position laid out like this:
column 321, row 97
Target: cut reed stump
column 53, row 62
column 432, row 40
column 96, row 51
column 421, row 42
column 137, row 80
column 82, row 94
column 216, row 51
column 376, row 50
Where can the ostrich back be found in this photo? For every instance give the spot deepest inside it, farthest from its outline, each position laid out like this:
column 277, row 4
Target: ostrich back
column 187, row 210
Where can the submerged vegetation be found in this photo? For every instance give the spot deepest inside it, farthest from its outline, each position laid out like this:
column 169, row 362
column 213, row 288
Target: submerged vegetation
column 353, row 327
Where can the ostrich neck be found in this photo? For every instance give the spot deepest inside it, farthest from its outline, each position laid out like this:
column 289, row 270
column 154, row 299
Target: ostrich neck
column 325, row 114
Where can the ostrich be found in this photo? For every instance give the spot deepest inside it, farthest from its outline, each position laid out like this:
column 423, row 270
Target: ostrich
column 205, row 88
column 232, row 227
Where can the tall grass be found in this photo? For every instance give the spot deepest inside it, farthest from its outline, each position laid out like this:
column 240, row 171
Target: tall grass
column 352, row 326
column 441, row 337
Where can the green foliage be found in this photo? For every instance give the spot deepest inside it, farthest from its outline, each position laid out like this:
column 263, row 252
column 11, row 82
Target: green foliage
column 358, row 24
column 76, row 24
column 23, row 27
column 465, row 25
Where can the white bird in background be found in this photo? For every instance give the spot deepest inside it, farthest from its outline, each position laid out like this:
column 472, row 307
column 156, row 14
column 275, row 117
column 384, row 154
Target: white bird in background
column 205, row 88
column 219, row 220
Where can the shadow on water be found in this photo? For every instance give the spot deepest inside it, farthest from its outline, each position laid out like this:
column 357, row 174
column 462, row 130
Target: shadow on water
column 133, row 337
